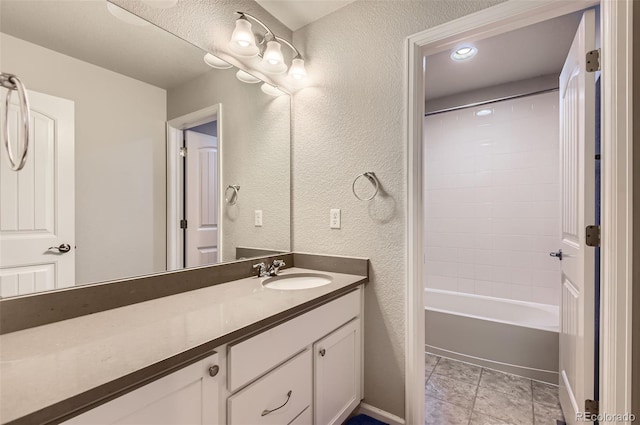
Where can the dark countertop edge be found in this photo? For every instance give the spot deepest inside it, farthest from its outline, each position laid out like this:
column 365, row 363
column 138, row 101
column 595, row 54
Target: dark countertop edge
column 78, row 404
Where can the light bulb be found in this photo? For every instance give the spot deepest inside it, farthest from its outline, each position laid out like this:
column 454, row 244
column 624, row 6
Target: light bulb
column 297, row 70
column 272, row 59
column 243, row 42
column 215, row 62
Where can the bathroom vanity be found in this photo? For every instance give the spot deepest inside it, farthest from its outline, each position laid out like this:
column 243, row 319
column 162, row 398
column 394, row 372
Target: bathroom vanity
column 232, row 353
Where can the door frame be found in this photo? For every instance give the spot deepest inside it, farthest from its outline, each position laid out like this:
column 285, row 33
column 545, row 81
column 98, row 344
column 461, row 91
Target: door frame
column 617, row 119
column 175, row 180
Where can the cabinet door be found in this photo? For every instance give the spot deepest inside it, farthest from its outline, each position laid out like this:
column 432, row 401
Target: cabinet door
column 186, row 397
column 337, row 370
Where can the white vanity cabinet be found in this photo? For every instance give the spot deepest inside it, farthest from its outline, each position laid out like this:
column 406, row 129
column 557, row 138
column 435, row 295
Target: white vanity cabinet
column 310, row 367
column 189, row 396
column 306, row 370
column 337, row 374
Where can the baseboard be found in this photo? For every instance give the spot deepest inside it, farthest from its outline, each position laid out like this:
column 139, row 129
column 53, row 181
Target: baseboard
column 379, row 414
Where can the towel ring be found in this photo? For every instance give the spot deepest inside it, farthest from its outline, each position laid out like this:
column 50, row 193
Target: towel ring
column 371, row 176
column 12, row 83
column 233, row 198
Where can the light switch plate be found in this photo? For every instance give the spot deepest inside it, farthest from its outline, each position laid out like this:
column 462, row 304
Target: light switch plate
column 258, row 218
column 334, row 219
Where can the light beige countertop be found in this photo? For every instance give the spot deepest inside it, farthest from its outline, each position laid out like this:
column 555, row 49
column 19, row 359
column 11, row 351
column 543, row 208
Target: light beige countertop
column 45, row 370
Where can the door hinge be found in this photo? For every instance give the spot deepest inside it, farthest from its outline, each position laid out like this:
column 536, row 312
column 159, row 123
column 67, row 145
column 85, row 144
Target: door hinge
column 183, row 224
column 592, row 407
column 593, row 235
column 183, row 152
column 593, row 60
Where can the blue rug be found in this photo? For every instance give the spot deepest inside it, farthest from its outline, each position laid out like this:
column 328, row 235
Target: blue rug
column 364, row 420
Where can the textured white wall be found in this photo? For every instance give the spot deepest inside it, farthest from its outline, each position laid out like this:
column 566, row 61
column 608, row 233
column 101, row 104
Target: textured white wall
column 493, row 200
column 254, row 130
column 120, row 168
column 348, row 122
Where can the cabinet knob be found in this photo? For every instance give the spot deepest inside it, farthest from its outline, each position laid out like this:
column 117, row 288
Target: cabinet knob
column 323, row 352
column 213, row 370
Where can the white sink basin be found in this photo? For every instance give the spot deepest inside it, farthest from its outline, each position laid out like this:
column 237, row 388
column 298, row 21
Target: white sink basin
column 295, row 281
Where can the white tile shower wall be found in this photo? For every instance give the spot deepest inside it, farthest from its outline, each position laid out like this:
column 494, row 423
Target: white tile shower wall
column 492, row 200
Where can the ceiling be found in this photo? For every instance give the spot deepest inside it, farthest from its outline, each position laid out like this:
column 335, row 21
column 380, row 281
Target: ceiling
column 86, row 30
column 528, row 52
column 297, row 13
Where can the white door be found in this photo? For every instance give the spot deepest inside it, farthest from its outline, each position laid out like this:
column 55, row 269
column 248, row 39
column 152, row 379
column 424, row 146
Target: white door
column 337, row 366
column 201, row 239
column 37, row 206
column 186, row 397
column 577, row 174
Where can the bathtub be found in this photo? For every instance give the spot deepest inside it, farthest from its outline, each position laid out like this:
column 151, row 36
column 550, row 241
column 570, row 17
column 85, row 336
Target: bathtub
column 507, row 335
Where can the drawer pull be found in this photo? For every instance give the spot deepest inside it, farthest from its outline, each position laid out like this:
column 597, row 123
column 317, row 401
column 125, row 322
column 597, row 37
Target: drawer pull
column 323, row 352
column 266, row 412
column 213, row 370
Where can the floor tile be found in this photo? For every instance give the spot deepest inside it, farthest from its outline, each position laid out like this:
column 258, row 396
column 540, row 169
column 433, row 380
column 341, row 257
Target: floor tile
column 450, row 390
column 457, row 370
column 506, row 383
column 512, row 409
column 480, row 419
column 546, row 394
column 547, row 415
column 430, row 361
column 438, row 412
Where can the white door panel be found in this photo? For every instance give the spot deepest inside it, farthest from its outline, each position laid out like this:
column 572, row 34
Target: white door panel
column 577, row 180
column 202, row 183
column 37, row 206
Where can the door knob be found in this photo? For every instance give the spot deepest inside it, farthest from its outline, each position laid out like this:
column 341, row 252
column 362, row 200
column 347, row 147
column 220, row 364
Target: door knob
column 62, row 248
column 558, row 254
column 323, row 352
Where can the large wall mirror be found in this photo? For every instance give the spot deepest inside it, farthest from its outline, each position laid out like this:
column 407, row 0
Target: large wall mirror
column 143, row 158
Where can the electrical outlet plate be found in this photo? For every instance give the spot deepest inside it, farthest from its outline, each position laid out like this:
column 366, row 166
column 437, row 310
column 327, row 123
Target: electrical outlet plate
column 334, row 219
column 258, row 218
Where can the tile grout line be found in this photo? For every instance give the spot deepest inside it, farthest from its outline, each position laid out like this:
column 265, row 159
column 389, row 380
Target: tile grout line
column 475, row 396
column 533, row 408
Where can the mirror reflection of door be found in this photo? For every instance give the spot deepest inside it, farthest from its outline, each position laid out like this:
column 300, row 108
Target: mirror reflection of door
column 37, row 206
column 201, row 195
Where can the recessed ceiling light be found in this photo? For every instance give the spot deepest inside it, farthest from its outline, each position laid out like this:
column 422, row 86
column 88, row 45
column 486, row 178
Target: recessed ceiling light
column 484, row 112
column 463, row 53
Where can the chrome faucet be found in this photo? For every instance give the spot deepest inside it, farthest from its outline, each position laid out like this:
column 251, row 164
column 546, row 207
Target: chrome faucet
column 272, row 270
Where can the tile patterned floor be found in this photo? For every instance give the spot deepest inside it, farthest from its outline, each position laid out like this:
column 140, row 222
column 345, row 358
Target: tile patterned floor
column 462, row 394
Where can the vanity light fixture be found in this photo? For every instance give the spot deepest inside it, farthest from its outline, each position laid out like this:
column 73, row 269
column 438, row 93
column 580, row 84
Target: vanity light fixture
column 268, row 47
column 463, row 53
column 215, row 62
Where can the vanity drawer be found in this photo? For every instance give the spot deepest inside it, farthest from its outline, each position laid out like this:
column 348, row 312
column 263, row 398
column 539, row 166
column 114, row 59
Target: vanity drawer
column 252, row 357
column 250, row 406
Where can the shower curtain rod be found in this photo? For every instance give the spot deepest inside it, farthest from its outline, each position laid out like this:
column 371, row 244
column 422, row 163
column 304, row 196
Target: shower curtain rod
column 488, row 102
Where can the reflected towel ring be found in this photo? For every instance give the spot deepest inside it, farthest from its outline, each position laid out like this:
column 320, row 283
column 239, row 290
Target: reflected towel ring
column 233, row 198
column 12, row 83
column 371, row 176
